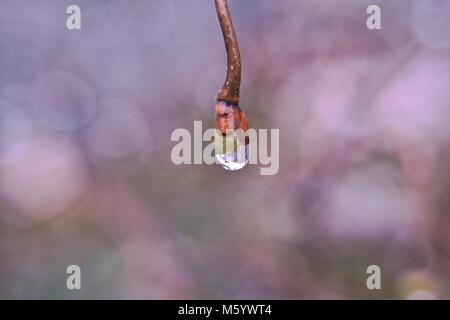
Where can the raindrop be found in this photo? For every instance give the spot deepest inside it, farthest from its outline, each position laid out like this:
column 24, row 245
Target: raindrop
column 231, row 141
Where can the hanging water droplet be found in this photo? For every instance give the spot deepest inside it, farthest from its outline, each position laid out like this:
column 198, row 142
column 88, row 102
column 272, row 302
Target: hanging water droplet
column 232, row 156
column 231, row 140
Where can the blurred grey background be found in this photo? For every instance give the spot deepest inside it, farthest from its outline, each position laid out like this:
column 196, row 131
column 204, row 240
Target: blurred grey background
column 86, row 176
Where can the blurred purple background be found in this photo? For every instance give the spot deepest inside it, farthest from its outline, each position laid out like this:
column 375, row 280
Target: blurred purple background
column 86, row 176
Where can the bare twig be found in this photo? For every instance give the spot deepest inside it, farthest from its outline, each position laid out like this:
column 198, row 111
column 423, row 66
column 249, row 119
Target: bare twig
column 231, row 88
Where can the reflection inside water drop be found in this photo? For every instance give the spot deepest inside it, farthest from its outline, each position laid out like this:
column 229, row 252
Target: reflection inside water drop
column 234, row 160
